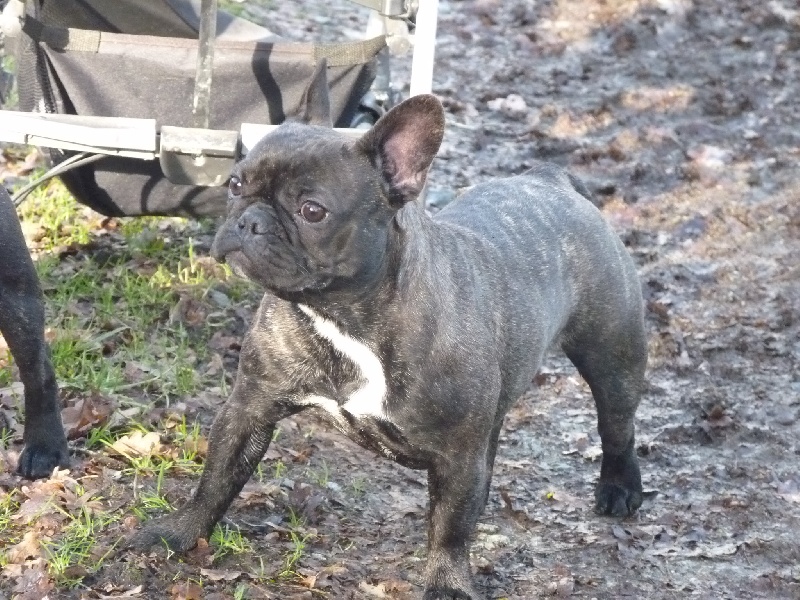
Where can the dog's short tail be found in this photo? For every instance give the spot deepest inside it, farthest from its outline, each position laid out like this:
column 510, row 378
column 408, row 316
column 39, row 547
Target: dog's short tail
column 561, row 175
column 581, row 188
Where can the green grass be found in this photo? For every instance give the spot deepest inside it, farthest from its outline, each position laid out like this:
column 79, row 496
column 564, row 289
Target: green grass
column 78, row 367
column 359, row 485
column 99, row 437
column 299, row 538
column 12, row 100
column 149, row 501
column 131, row 319
column 8, row 507
column 131, row 306
column 279, row 469
column 240, row 593
column 5, row 375
column 297, row 547
column 234, row 8
column 227, row 541
column 74, row 553
column 320, row 476
column 5, row 438
column 52, row 209
column 240, row 9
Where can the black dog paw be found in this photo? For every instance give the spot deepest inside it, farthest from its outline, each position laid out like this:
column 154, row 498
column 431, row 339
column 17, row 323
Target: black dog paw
column 615, row 500
column 449, row 580
column 448, row 593
column 39, row 460
column 176, row 532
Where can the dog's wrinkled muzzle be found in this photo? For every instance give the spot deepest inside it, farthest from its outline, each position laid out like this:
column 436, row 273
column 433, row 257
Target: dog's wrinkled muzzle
column 226, row 241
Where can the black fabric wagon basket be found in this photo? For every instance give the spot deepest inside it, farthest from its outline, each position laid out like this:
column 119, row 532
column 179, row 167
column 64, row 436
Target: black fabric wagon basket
column 138, row 59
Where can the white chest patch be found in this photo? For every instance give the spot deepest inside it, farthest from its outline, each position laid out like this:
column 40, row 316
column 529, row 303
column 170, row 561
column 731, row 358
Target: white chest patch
column 368, row 400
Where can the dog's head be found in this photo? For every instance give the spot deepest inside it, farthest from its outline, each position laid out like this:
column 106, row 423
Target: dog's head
column 310, row 208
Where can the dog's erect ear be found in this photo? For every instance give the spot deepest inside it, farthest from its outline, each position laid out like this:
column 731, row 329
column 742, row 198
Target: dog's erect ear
column 315, row 105
column 403, row 143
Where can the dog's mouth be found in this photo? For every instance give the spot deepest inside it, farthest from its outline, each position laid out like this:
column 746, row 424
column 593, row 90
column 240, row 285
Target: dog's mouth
column 236, row 261
column 224, row 245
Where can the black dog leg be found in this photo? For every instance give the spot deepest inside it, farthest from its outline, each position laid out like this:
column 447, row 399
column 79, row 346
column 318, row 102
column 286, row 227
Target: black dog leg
column 239, row 438
column 22, row 325
column 615, row 374
column 457, row 488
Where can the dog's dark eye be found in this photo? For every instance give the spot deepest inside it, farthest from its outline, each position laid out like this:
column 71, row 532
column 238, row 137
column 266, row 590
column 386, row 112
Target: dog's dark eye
column 313, row 212
column 235, row 186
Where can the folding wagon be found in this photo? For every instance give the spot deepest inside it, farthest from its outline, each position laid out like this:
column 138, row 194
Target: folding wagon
column 144, row 105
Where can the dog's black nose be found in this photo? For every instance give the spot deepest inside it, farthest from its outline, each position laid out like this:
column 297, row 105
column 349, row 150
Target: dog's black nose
column 252, row 222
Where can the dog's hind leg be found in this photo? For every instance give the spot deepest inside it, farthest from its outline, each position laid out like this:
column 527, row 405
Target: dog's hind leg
column 613, row 363
column 22, row 326
column 490, row 456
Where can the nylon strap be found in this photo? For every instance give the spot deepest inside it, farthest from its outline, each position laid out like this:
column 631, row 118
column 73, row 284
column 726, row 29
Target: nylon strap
column 87, row 40
column 62, row 38
column 350, row 53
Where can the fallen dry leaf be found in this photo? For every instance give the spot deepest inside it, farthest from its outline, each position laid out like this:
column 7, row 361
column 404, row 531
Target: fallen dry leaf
column 12, row 571
column 221, row 342
column 29, row 547
column 220, row 575
column 34, row 584
column 375, row 591
column 308, row 581
column 188, row 311
column 186, row 591
column 77, row 500
column 201, row 554
column 215, row 365
column 397, row 585
column 565, row 587
column 198, row 445
column 137, row 444
column 89, row 412
column 41, row 500
column 132, row 593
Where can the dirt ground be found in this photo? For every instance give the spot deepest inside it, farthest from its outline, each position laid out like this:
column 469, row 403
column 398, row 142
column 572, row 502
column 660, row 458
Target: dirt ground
column 681, row 116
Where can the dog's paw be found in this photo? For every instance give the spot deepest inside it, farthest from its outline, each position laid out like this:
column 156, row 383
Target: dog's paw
column 448, row 593
column 174, row 531
column 448, row 579
column 615, row 500
column 39, row 460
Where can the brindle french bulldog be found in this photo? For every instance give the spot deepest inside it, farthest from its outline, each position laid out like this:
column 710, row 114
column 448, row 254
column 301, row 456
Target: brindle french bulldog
column 415, row 334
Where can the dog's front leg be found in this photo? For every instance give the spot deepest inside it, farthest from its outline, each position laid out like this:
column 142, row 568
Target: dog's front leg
column 457, row 488
column 240, row 436
column 22, row 325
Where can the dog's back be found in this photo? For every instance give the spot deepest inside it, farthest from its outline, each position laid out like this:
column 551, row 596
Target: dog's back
column 539, row 210
column 546, row 234
column 551, row 260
